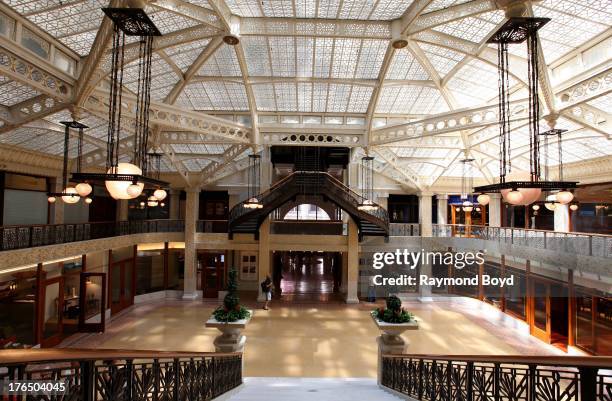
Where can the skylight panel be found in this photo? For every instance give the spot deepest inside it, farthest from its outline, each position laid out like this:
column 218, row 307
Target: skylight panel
column 305, row 8
column 429, row 101
column 405, row 66
column 68, row 20
column 405, row 100
column 264, row 97
column 360, row 99
column 338, row 98
column 286, row 96
column 475, row 83
column 168, row 22
column 81, row 43
column 184, row 55
column 443, row 60
column 440, row 4
column 277, row 8
column 389, row 9
column 323, row 56
column 356, row 9
column 474, row 29
column 319, row 97
column 282, row 50
column 370, row 59
column 256, row 55
column 245, row 8
column 603, row 103
column 197, row 97
column 223, row 63
column 328, row 8
column 387, row 97
column 346, row 52
column 304, row 94
column 304, row 54
column 12, row 93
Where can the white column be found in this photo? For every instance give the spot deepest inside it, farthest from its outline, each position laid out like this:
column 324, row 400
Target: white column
column 425, row 290
column 266, row 169
column 56, row 211
column 191, row 262
column 352, row 279
column 175, row 204
column 442, row 208
column 562, row 218
column 494, row 210
column 425, row 214
column 383, row 200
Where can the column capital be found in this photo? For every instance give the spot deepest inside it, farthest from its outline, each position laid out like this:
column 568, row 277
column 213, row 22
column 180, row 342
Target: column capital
column 424, row 194
column 193, row 190
column 495, row 195
column 442, row 196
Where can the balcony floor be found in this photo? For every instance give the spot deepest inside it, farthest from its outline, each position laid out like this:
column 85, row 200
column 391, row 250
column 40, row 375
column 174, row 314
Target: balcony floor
column 319, row 339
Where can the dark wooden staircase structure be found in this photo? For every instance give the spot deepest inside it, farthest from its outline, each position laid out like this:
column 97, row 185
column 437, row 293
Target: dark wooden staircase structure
column 315, row 183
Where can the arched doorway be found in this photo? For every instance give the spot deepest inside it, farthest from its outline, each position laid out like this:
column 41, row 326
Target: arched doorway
column 306, row 211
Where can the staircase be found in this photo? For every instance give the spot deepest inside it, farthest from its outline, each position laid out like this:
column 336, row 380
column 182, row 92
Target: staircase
column 314, row 183
column 315, row 389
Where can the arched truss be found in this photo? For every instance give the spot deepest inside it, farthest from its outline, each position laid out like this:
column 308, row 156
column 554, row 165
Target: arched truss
column 418, row 23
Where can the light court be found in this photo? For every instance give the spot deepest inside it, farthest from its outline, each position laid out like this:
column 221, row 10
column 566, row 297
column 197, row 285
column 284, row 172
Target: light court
column 308, row 195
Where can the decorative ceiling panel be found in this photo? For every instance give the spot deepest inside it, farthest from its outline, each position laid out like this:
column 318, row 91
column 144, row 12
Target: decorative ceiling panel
column 223, row 63
column 442, row 59
column 474, row 29
column 184, row 55
column 405, row 66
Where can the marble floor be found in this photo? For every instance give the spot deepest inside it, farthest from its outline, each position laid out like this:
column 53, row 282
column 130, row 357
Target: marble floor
column 319, row 339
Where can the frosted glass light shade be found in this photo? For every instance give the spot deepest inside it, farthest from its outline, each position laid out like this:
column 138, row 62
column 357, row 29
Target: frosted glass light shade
column 118, row 189
column 468, row 208
column 483, row 199
column 151, row 201
column 550, row 206
column 564, row 197
column 70, row 199
column 551, row 198
column 529, row 195
column 134, row 190
column 83, row 189
column 88, row 200
column 51, row 199
column 160, row 194
column 536, row 207
column 573, row 207
column 514, row 197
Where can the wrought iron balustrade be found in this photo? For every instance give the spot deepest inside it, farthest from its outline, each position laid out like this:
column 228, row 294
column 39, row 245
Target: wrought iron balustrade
column 105, row 375
column 598, row 245
column 29, row 236
column 498, row 378
column 211, row 226
column 404, row 229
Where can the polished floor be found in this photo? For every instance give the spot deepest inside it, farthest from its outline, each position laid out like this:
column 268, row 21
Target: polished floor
column 320, row 339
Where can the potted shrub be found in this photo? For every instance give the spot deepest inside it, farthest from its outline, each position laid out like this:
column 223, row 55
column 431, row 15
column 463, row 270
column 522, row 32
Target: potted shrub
column 230, row 319
column 393, row 320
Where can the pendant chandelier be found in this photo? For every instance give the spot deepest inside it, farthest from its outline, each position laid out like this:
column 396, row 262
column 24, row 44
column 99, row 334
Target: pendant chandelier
column 467, row 183
column 154, row 171
column 367, row 184
column 253, row 183
column 514, row 31
column 71, row 195
column 128, row 180
column 563, row 197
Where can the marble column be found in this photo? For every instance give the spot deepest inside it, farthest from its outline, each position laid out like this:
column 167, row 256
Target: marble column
column 56, row 210
column 442, row 208
column 495, row 209
column 175, row 204
column 352, row 279
column 562, row 218
column 425, row 290
column 263, row 257
column 425, row 214
column 266, row 170
column 191, row 255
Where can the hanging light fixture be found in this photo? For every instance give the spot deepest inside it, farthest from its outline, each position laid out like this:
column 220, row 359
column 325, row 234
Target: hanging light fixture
column 69, row 194
column 483, row 199
column 125, row 180
column 253, row 178
column 522, row 192
column 152, row 201
column 367, row 185
column 535, row 207
column 154, row 170
column 573, row 207
column 467, row 182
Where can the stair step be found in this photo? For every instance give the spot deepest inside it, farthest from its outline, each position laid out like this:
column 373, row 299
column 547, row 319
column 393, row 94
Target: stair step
column 315, row 389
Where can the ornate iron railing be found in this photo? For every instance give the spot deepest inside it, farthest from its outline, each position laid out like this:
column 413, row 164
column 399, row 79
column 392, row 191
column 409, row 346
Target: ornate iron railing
column 598, row 245
column 404, row 229
column 211, row 226
column 101, row 375
column 19, row 237
column 498, row 378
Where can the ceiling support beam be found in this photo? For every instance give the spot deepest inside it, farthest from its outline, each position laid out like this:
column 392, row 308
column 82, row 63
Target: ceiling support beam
column 229, row 156
column 406, row 173
column 28, row 111
column 412, row 13
column 452, row 13
column 382, row 73
column 201, row 14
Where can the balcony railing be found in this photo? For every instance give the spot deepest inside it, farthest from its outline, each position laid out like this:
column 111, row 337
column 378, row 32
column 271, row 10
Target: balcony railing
column 92, row 375
column 19, row 237
column 497, row 378
column 404, row 229
column 212, row 226
column 598, row 245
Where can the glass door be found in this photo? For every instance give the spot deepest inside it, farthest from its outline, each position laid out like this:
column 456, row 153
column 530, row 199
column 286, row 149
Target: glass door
column 92, row 302
column 50, row 312
column 213, row 265
column 121, row 285
column 540, row 310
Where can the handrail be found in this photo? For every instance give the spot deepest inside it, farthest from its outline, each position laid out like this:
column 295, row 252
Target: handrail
column 496, row 378
column 17, row 356
column 528, row 229
column 577, row 361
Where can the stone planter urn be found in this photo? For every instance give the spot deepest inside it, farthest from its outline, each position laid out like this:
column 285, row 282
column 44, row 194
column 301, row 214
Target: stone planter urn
column 391, row 341
column 231, row 338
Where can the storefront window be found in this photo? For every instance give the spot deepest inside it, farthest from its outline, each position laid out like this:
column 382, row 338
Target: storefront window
column 584, row 321
column 516, row 294
column 176, row 268
column 603, row 326
column 17, row 308
column 149, row 271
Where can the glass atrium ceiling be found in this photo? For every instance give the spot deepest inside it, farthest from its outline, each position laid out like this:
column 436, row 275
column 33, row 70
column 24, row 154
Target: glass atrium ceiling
column 320, row 66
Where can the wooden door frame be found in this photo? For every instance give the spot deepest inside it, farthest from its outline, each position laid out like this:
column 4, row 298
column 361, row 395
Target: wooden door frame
column 57, row 338
column 544, row 335
column 220, row 268
column 123, row 302
column 92, row 327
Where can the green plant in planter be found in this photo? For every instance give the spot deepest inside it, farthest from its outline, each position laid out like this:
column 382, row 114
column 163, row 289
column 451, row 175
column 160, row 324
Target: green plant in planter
column 393, row 313
column 231, row 310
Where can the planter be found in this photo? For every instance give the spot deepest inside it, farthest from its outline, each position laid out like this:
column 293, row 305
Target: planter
column 391, row 341
column 231, row 339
